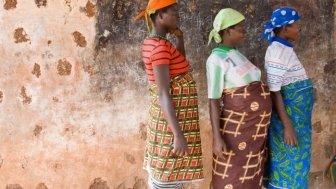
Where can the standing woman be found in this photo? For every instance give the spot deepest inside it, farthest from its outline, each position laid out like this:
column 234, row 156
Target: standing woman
column 292, row 95
column 173, row 148
column 240, row 108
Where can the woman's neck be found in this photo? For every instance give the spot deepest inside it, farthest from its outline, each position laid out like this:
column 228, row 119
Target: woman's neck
column 160, row 31
column 227, row 44
column 282, row 36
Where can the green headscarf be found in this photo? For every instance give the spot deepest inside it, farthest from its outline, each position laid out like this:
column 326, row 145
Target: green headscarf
column 224, row 19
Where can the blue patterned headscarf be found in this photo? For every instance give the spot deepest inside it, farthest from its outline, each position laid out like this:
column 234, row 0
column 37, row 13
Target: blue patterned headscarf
column 280, row 17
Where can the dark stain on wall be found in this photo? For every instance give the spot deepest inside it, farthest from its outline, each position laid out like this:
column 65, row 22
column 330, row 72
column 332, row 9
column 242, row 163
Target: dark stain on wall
column 1, row 96
column 129, row 158
column 329, row 90
column 117, row 49
column 57, row 166
column 117, row 18
column 10, row 4
column 108, row 98
column 1, row 161
column 119, row 55
column 143, row 131
column 55, row 99
column 41, row 3
column 14, row 186
column 139, row 184
column 26, row 99
column 89, row 9
column 330, row 68
column 79, row 39
column 64, row 67
column 20, row 36
column 24, row 162
column 330, row 147
column 99, row 183
column 47, row 55
column 41, row 186
column 118, row 66
column 121, row 186
column 37, row 130
column 37, row 70
column 68, row 3
column 317, row 127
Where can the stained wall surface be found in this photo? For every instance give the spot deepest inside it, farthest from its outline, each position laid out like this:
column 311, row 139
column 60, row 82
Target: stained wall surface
column 74, row 95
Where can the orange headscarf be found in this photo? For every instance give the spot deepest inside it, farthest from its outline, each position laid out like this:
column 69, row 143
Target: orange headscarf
column 153, row 5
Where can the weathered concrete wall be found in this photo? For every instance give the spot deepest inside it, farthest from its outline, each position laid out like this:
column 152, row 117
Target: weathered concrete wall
column 73, row 93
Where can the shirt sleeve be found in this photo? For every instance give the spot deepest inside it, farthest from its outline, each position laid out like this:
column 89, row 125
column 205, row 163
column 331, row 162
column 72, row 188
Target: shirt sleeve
column 275, row 71
column 215, row 77
column 160, row 55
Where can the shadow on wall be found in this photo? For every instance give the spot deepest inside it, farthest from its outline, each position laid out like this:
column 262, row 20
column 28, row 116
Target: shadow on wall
column 118, row 33
column 119, row 38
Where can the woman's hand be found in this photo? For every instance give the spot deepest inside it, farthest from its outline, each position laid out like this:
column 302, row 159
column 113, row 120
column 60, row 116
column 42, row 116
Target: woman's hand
column 219, row 147
column 180, row 146
column 290, row 135
column 289, row 132
column 177, row 33
column 180, row 40
column 162, row 78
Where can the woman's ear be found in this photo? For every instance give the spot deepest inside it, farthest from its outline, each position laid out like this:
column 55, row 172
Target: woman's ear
column 284, row 29
column 227, row 32
column 160, row 15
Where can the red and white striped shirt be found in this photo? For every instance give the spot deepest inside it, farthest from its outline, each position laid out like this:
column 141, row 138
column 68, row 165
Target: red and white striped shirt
column 157, row 51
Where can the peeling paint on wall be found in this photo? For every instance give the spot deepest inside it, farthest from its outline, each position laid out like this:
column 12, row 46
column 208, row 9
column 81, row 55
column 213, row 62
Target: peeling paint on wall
column 76, row 67
column 10, row 4
column 41, row 3
column 41, row 186
column 1, row 161
column 1, row 96
column 64, row 67
column 195, row 20
column 37, row 130
column 37, row 70
column 121, row 186
column 55, row 99
column 143, row 131
column 139, row 184
column 89, row 9
column 68, row 3
column 21, row 36
column 99, row 183
column 79, row 39
column 26, row 99
column 130, row 158
column 317, row 127
column 14, row 186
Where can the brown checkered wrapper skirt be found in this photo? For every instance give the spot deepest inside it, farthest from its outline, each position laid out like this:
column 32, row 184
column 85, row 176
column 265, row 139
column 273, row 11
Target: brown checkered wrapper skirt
column 245, row 117
column 160, row 162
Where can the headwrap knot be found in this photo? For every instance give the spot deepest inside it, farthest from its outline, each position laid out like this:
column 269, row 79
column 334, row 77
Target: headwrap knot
column 280, row 17
column 224, row 19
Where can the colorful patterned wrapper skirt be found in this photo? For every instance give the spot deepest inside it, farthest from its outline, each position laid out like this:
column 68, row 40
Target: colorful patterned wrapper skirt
column 163, row 166
column 288, row 166
column 245, row 118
